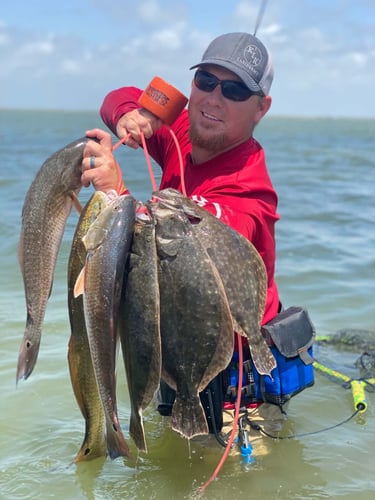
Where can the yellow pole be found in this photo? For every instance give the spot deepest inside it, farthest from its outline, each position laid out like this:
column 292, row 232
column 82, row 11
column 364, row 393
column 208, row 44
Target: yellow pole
column 357, row 386
column 331, row 372
column 359, row 397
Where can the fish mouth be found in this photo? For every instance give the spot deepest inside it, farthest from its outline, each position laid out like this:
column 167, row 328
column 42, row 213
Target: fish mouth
column 166, row 206
column 142, row 213
column 157, row 198
column 143, row 217
column 166, row 201
column 174, row 204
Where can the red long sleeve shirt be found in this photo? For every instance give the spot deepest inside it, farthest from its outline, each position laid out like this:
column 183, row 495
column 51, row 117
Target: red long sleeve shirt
column 234, row 186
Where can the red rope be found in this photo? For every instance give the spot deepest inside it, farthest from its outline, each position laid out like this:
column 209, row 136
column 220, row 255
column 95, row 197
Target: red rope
column 121, row 141
column 235, row 421
column 240, row 353
column 148, row 160
column 182, row 173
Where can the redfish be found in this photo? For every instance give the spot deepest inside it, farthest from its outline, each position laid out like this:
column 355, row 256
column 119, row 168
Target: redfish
column 46, row 209
column 107, row 244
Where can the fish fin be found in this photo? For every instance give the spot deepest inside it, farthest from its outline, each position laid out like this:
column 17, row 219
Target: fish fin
column 76, row 203
column 84, row 385
column 261, row 354
column 94, row 446
column 27, row 357
column 238, row 329
column 263, row 359
column 79, row 287
column 136, row 430
column 116, row 444
column 188, row 417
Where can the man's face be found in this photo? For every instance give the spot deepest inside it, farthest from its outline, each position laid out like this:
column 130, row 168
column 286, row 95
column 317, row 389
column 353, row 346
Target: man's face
column 218, row 123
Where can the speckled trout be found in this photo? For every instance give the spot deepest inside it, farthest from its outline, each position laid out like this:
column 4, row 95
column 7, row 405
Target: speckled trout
column 140, row 325
column 79, row 356
column 46, row 209
column 241, row 269
column 107, row 244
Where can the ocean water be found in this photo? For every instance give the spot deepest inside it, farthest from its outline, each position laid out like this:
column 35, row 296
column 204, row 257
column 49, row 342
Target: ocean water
column 324, row 172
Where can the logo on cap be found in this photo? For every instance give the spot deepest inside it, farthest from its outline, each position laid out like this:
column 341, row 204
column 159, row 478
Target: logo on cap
column 253, row 55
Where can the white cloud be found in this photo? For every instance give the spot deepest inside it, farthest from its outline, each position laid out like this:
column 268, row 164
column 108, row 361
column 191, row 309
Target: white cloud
column 166, row 39
column 271, row 29
column 71, row 67
column 42, row 47
column 4, row 39
column 150, row 10
column 110, row 44
column 359, row 59
column 246, row 12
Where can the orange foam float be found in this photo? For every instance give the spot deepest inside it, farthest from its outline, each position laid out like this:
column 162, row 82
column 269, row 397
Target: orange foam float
column 163, row 100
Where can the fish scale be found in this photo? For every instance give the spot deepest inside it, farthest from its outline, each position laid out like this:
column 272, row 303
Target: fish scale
column 107, row 244
column 79, row 356
column 140, row 326
column 46, row 209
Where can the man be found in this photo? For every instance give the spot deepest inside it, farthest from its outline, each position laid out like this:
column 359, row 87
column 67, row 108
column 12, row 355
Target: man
column 224, row 166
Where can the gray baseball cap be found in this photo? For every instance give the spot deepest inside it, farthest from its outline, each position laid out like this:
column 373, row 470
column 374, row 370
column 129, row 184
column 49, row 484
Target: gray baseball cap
column 244, row 55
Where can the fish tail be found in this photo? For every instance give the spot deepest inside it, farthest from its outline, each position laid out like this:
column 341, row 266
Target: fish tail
column 116, row 444
column 27, row 358
column 188, row 417
column 265, row 362
column 93, row 446
column 136, row 430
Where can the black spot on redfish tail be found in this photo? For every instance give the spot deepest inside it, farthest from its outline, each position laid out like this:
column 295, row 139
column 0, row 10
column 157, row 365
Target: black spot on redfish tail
column 94, row 444
column 188, row 418
column 88, row 453
column 84, row 454
column 27, row 358
column 116, row 444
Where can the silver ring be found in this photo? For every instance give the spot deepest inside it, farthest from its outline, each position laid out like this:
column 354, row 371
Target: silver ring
column 92, row 161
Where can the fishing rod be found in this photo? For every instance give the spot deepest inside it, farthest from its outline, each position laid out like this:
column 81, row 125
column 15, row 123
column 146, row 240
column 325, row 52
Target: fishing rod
column 260, row 16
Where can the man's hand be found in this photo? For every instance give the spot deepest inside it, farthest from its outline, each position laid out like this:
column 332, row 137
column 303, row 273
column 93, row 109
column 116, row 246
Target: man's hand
column 99, row 166
column 134, row 123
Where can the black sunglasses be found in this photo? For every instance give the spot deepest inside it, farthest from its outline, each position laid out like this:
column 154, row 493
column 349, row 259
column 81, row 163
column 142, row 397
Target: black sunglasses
column 231, row 89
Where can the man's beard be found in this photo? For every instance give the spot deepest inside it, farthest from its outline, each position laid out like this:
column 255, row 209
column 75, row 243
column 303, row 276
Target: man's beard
column 214, row 143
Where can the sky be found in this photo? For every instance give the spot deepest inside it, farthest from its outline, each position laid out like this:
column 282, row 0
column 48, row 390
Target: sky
column 70, row 54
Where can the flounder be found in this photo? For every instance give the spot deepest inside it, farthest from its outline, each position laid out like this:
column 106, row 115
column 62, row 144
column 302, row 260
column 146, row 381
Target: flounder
column 241, row 270
column 196, row 325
